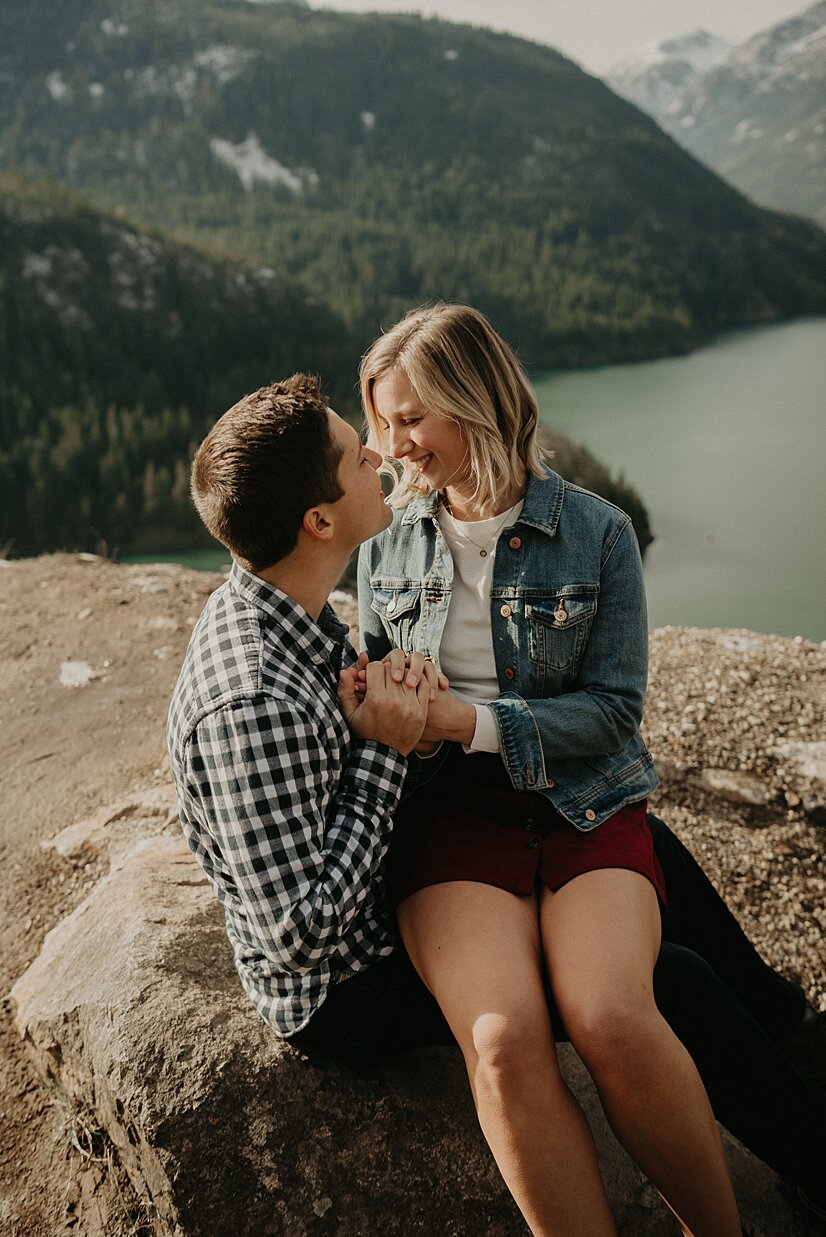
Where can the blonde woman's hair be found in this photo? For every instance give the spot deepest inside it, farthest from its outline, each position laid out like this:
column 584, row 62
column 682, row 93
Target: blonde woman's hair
column 460, row 368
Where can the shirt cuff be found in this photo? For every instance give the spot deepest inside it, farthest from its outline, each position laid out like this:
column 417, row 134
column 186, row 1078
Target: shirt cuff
column 486, row 735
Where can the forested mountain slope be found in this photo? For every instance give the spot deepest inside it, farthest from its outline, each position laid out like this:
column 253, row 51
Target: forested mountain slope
column 119, row 348
column 386, row 159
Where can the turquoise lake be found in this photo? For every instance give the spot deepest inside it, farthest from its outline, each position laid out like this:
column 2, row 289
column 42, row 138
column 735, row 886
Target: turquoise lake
column 727, row 448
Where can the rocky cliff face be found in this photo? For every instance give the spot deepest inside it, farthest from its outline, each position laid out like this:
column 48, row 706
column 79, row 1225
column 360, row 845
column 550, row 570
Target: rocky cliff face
column 658, row 75
column 178, row 1109
column 757, row 116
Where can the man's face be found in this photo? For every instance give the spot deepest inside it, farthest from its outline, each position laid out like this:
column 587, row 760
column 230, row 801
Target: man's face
column 361, row 512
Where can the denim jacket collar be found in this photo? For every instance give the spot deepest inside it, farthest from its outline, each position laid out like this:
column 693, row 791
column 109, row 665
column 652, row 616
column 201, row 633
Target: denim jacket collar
column 542, row 507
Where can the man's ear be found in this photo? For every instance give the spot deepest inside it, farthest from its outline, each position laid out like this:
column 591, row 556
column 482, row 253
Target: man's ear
column 317, row 523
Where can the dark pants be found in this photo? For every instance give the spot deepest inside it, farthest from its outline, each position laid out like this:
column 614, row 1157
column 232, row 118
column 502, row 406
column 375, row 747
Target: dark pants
column 728, row 1007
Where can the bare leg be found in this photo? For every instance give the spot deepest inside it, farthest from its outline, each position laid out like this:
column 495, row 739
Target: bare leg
column 601, row 934
column 477, row 949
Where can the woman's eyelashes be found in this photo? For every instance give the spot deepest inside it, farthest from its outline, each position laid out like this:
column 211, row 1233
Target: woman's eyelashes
column 405, row 424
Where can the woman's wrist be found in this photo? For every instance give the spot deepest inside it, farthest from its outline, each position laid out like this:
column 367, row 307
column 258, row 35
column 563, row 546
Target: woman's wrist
column 463, row 725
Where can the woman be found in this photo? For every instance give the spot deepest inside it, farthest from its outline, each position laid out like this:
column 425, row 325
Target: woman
column 523, row 855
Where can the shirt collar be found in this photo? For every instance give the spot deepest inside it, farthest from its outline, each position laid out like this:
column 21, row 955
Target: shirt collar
column 321, row 642
column 542, row 507
column 418, row 508
column 543, row 501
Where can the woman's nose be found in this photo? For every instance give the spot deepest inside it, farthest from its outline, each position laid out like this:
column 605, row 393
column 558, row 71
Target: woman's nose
column 398, row 441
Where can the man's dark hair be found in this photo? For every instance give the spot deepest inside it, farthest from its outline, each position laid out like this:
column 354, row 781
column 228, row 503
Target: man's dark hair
column 262, row 465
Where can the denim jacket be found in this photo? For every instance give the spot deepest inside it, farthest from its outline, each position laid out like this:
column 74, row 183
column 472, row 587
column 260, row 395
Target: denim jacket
column 570, row 639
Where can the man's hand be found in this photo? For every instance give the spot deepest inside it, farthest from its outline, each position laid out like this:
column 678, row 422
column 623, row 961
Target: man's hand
column 408, row 668
column 449, row 717
column 388, row 711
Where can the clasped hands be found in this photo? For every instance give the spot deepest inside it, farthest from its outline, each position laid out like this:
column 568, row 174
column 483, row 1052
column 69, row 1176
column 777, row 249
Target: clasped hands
column 405, row 702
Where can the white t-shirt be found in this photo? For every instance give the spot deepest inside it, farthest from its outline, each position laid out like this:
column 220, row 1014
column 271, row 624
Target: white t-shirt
column 466, row 648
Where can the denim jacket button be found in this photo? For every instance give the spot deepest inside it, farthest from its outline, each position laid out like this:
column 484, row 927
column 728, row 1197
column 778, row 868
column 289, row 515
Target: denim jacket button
column 515, row 543
column 560, row 615
column 391, row 605
column 590, row 814
column 510, row 673
column 506, row 612
column 550, row 783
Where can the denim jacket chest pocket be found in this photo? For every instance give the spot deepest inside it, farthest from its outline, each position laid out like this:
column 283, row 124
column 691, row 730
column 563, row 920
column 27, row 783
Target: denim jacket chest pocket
column 558, row 629
column 400, row 611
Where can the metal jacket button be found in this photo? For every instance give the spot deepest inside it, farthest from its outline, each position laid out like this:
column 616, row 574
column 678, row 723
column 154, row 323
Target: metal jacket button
column 590, row 814
column 560, row 615
column 510, row 673
column 506, row 612
column 515, row 543
column 550, row 783
column 391, row 605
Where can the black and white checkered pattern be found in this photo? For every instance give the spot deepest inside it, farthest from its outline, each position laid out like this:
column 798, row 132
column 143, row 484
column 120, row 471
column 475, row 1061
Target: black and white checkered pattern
column 288, row 817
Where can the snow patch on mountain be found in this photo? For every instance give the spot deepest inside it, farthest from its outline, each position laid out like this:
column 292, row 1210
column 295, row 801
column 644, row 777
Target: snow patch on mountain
column 225, row 61
column 252, row 164
column 656, row 76
column 56, row 86
column 111, row 26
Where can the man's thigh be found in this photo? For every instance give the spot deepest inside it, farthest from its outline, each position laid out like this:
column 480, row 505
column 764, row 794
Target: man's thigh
column 376, row 1012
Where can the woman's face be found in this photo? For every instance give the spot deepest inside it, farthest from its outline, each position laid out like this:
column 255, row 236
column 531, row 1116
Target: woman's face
column 434, row 444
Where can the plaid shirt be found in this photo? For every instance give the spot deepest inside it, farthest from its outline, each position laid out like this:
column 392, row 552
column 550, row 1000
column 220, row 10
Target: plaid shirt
column 289, row 818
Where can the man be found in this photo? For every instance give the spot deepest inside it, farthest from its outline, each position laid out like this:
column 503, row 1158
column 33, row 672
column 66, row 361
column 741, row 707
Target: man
column 288, row 807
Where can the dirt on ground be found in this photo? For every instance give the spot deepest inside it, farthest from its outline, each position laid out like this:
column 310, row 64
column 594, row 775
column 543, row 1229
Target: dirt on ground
column 89, row 657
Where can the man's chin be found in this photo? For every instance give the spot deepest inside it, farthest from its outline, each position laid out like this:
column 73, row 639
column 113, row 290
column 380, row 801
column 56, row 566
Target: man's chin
column 387, row 520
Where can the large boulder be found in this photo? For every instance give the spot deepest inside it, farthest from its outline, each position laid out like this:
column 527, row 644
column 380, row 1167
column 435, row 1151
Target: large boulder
column 134, row 1007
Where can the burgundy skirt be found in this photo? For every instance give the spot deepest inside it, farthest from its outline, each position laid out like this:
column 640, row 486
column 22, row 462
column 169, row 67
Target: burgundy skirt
column 469, row 824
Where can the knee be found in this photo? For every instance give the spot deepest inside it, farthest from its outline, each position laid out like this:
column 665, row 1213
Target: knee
column 614, row 1037
column 506, row 1049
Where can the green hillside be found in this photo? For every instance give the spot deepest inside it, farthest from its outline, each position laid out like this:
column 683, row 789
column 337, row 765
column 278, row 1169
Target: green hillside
column 386, row 160
column 119, row 348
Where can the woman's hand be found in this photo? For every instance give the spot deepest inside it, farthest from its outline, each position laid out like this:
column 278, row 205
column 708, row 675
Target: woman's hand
column 386, row 711
column 407, row 667
column 449, row 717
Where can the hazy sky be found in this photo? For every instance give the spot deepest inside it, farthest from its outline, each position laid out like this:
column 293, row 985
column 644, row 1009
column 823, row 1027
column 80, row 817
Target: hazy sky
column 597, row 33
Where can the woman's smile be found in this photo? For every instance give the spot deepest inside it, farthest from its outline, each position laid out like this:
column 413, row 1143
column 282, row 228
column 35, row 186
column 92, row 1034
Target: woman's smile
column 429, row 441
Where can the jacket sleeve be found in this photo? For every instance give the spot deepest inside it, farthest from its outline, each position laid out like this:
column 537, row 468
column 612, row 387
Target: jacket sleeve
column 602, row 709
column 297, row 849
column 372, row 635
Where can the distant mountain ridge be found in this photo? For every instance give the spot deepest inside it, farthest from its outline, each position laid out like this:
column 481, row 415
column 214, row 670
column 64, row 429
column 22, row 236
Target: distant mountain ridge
column 758, row 116
column 657, row 76
column 386, row 160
